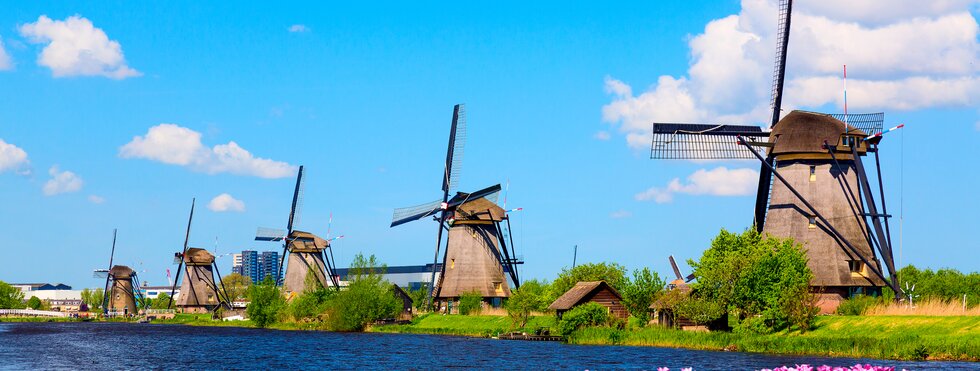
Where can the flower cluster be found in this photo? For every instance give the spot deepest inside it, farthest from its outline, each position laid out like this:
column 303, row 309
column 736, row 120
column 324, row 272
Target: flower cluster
column 857, row 367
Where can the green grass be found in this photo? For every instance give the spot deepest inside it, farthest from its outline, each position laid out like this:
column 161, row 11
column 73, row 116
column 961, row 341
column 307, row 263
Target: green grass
column 464, row 325
column 888, row 337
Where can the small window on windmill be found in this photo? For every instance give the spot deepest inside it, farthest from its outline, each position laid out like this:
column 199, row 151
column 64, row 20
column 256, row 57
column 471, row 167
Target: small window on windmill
column 452, row 263
column 857, row 267
column 498, row 287
column 813, row 222
column 210, row 298
column 813, row 173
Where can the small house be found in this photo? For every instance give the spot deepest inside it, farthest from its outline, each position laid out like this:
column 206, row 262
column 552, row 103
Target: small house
column 594, row 291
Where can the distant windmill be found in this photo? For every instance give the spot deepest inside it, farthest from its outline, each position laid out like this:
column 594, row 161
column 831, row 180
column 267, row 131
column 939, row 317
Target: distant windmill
column 123, row 296
column 199, row 292
column 477, row 256
column 306, row 251
column 680, row 280
column 822, row 197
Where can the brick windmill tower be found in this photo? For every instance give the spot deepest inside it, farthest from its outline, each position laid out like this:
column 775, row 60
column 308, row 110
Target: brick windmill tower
column 821, row 195
column 478, row 257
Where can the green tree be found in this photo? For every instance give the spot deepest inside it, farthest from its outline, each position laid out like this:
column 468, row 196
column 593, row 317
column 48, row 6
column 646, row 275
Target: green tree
column 10, row 297
column 470, row 303
column 236, row 285
column 161, row 302
column 639, row 293
column 754, row 276
column 368, row 297
column 92, row 299
column 532, row 296
column 267, row 303
column 34, row 303
column 312, row 301
column 614, row 274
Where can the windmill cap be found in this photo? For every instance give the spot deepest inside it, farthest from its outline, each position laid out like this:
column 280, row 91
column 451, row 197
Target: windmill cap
column 806, row 132
column 121, row 271
column 196, row 255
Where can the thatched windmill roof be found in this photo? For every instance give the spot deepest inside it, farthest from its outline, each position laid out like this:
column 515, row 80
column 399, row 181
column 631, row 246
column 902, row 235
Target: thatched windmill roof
column 805, row 132
column 196, row 256
column 121, row 272
column 300, row 241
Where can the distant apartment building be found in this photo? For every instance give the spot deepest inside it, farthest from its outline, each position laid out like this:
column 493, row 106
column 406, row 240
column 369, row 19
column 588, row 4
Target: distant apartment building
column 256, row 265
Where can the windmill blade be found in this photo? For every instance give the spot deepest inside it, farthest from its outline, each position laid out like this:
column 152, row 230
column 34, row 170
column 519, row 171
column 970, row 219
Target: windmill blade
column 779, row 71
column 178, row 257
column 412, row 213
column 100, row 273
column 297, row 205
column 105, row 292
column 490, row 193
column 454, row 154
column 673, row 141
column 673, row 264
column 870, row 123
column 180, row 264
column 270, row 234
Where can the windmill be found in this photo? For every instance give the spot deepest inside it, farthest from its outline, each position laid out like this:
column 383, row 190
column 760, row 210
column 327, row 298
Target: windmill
column 813, row 184
column 680, row 281
column 199, row 292
column 306, row 250
column 123, row 296
column 477, row 256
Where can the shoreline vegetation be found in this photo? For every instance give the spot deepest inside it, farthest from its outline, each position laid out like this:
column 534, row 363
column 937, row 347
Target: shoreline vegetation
column 752, row 292
column 934, row 338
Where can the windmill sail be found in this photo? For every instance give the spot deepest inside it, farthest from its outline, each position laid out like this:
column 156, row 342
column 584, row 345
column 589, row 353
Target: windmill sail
column 454, row 155
column 673, row 141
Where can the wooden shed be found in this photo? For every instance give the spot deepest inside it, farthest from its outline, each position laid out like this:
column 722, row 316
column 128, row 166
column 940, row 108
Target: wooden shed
column 406, row 302
column 594, row 291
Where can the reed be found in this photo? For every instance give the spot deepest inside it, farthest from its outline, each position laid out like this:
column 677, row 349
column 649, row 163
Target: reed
column 927, row 307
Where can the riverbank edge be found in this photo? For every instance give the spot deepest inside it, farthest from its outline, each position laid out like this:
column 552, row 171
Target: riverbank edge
column 914, row 344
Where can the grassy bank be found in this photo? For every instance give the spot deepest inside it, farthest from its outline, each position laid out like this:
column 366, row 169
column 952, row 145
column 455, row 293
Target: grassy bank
column 887, row 337
column 463, row 325
column 884, row 337
column 39, row 319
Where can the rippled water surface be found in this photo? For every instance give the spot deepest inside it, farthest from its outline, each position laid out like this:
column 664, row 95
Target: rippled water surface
column 142, row 346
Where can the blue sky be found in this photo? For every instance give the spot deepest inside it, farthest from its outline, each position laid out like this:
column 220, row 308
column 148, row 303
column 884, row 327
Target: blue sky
column 557, row 98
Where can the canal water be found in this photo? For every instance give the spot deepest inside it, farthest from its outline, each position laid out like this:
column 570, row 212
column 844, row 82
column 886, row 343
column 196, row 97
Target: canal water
column 46, row 346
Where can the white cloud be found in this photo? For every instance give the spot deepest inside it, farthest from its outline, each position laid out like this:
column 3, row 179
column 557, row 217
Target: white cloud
column 177, row 145
column 5, row 63
column 719, row 181
column 95, row 199
column 602, row 135
column 900, row 54
column 77, row 48
column 12, row 157
column 297, row 28
column 62, row 182
column 225, row 202
column 620, row 214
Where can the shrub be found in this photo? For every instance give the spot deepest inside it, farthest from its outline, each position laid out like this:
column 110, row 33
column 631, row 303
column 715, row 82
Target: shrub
column 368, row 298
column 34, row 303
column 585, row 315
column 470, row 303
column 266, row 303
column 700, row 310
column 532, row 296
column 10, row 297
column 857, row 305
